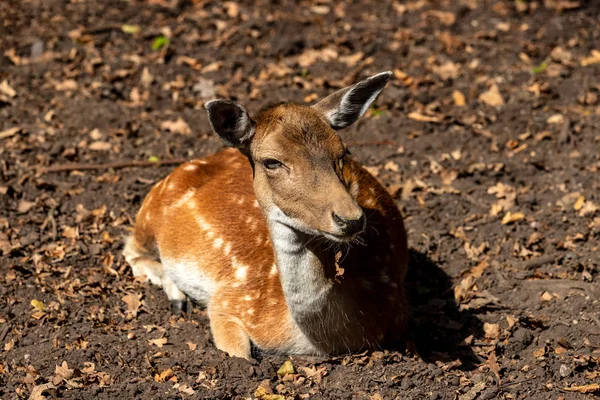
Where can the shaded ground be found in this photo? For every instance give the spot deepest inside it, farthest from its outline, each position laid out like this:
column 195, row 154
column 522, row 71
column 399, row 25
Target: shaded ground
column 488, row 137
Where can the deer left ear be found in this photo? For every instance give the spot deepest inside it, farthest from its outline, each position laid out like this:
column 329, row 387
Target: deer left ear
column 347, row 105
column 231, row 122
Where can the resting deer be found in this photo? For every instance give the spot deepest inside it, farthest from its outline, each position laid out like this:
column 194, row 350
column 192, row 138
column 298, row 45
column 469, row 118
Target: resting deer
column 286, row 239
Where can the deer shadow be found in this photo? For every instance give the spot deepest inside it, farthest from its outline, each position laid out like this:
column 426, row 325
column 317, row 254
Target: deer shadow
column 437, row 326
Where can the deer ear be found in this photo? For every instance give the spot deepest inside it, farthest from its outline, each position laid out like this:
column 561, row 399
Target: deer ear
column 231, row 122
column 347, row 105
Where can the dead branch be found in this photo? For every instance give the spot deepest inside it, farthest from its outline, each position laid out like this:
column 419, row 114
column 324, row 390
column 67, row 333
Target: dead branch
column 115, row 165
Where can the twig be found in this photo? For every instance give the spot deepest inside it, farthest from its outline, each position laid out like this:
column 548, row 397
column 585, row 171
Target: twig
column 4, row 332
column 536, row 262
column 363, row 143
column 115, row 165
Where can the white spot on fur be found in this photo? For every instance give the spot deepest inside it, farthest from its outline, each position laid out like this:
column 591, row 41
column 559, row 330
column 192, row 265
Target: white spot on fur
column 273, row 270
column 185, row 198
column 255, row 204
column 227, row 249
column 247, row 298
column 240, row 269
column 218, row 243
column 201, row 162
column 250, row 311
column 205, row 226
column 190, row 167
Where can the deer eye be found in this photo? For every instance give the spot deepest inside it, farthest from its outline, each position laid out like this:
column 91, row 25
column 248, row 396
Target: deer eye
column 271, row 163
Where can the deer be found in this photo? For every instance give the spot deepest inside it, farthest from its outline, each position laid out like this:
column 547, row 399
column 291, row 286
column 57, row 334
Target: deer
column 288, row 241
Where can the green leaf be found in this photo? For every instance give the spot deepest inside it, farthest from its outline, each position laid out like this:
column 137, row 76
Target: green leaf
column 153, row 159
column 286, row 368
column 540, row 68
column 159, row 42
column 376, row 112
column 131, row 29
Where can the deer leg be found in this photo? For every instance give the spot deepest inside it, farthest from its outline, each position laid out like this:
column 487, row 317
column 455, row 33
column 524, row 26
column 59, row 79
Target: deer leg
column 229, row 334
column 177, row 297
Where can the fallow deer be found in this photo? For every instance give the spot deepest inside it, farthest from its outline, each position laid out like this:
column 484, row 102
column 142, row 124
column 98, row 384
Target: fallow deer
column 286, row 239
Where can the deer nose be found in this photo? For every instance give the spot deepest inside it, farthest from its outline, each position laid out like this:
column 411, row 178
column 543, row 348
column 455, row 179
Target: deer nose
column 349, row 226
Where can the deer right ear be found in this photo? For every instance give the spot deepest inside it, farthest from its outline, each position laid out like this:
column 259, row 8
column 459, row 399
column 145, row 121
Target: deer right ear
column 231, row 122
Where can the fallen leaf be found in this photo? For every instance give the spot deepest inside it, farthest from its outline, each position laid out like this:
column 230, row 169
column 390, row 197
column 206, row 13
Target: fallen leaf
column 131, row 29
column 7, row 89
column 446, row 71
column 594, row 58
column 192, row 346
column 492, row 331
column 286, row 368
column 459, row 98
column 66, row 85
column 163, row 375
column 37, row 393
column 178, row 126
column 186, row 389
column 9, row 132
column 100, row 146
column 24, row 206
column 133, row 303
column 546, row 296
column 64, row 371
column 556, row 119
column 509, row 217
column 424, row 118
column 579, row 203
column 492, row 97
column 539, row 352
column 474, row 391
column 160, row 342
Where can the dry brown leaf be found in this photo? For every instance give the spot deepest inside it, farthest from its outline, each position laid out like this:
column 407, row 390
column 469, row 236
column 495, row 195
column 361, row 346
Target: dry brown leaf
column 100, row 146
column 66, row 85
column 352, row 59
column 24, row 206
column 459, row 98
column 192, row 346
column 160, row 342
column 546, row 296
column 556, row 119
column 37, row 393
column 510, row 218
column 424, row 118
column 492, row 331
column 163, row 375
column 594, row 58
column 492, row 97
column 178, row 126
column 511, row 320
column 446, row 71
column 64, row 371
column 186, row 389
column 311, row 56
column 541, row 352
column 9, row 132
column 133, row 303
column 7, row 89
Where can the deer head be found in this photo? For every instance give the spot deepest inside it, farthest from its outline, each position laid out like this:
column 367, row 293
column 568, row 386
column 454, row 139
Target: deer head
column 298, row 157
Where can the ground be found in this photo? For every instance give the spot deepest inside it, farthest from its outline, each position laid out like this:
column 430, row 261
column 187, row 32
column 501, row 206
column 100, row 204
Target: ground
column 488, row 138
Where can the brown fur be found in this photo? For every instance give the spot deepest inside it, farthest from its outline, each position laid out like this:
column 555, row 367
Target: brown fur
column 207, row 213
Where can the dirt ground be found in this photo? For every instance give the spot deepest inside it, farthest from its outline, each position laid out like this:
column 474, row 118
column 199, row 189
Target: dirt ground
column 488, row 137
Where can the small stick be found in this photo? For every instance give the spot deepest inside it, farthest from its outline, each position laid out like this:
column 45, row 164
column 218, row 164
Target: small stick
column 537, row 262
column 115, row 165
column 363, row 143
column 176, row 161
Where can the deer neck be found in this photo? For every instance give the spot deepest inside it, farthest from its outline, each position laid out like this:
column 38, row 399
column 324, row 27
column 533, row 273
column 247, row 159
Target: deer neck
column 305, row 268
